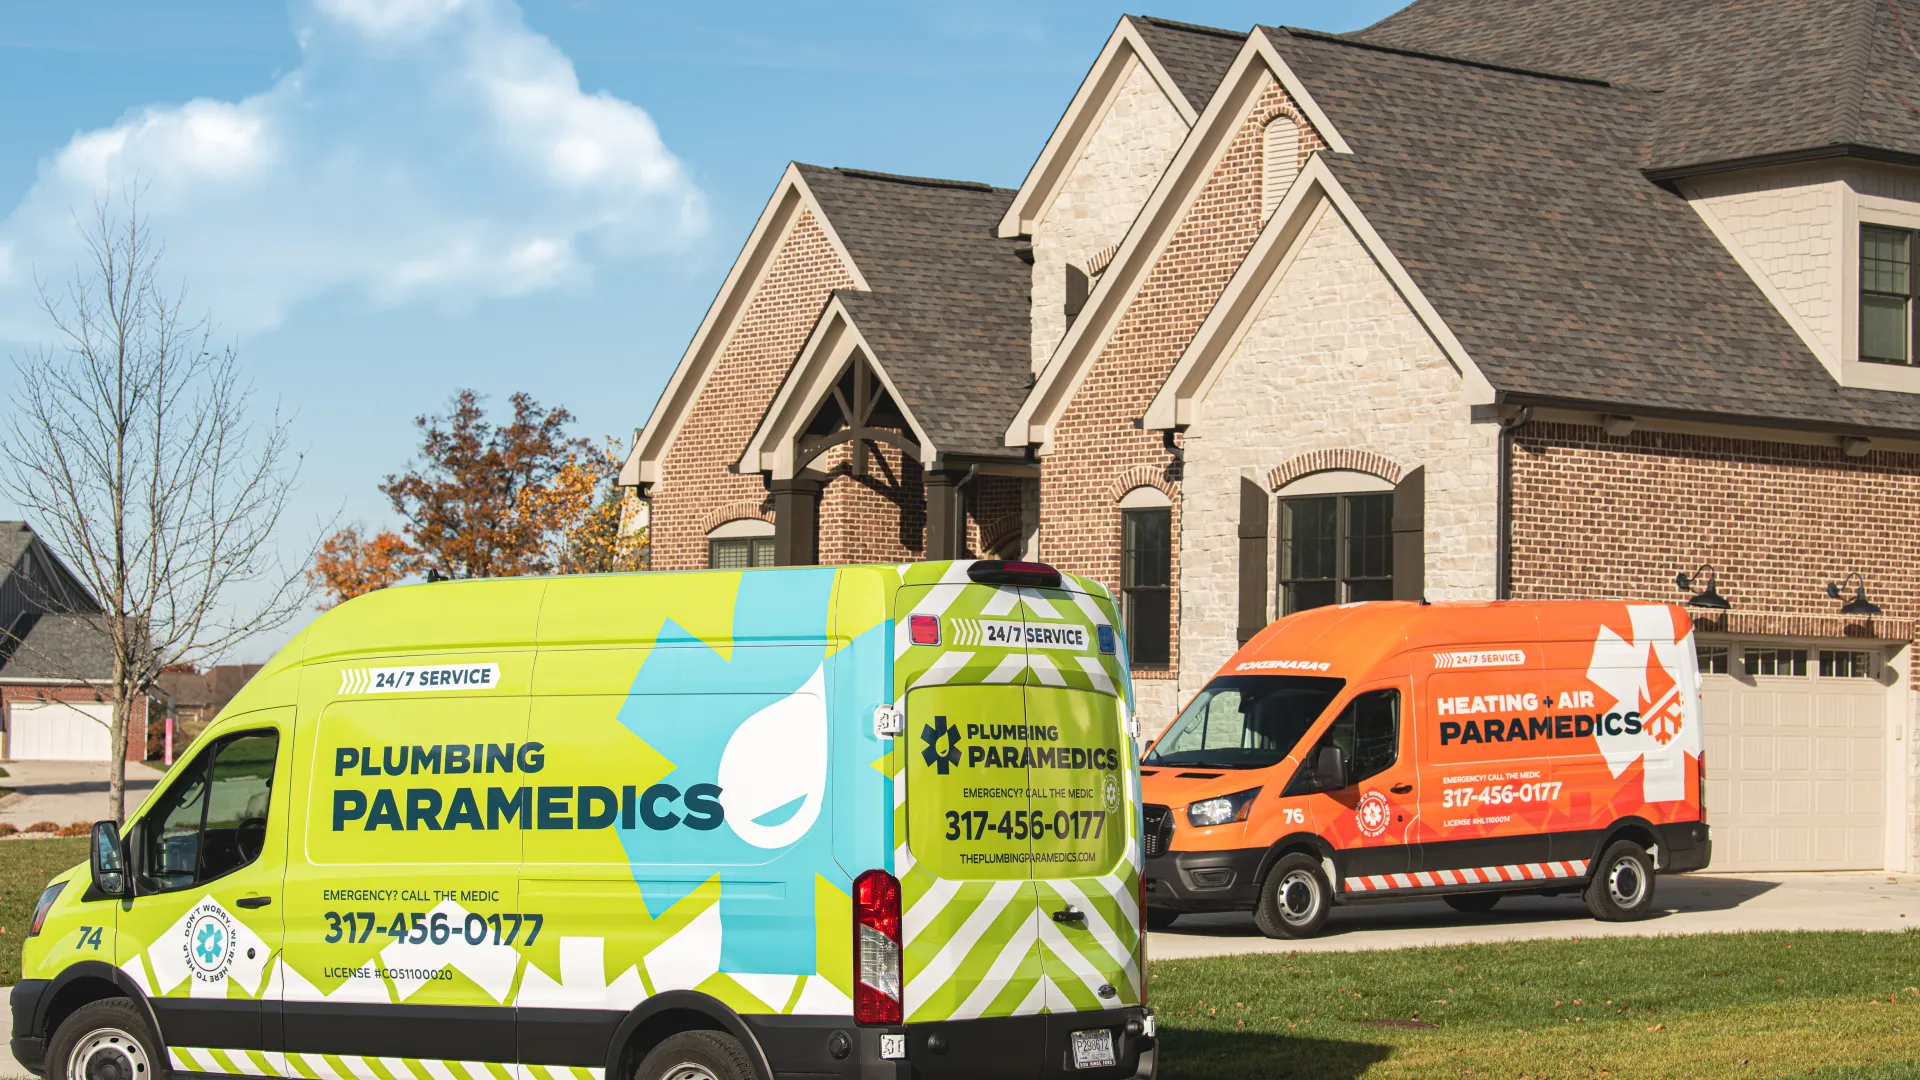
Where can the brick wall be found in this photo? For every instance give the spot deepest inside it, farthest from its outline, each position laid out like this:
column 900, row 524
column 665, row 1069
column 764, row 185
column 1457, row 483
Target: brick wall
column 1097, row 452
column 694, row 481
column 1596, row 516
column 878, row 517
column 137, row 733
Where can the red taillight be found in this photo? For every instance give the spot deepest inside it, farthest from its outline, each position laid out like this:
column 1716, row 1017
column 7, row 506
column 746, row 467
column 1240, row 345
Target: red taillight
column 1700, row 782
column 924, row 629
column 876, row 949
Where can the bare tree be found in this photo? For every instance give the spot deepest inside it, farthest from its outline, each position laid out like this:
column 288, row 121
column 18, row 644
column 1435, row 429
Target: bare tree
column 131, row 447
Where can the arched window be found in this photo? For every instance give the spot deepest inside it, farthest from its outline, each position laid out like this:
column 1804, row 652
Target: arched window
column 1281, row 156
column 739, row 544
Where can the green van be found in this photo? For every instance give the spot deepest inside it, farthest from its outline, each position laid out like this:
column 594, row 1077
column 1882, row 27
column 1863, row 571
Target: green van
column 872, row 821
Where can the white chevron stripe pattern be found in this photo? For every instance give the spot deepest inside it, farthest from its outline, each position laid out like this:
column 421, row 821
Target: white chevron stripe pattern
column 233, row 1062
column 1479, row 875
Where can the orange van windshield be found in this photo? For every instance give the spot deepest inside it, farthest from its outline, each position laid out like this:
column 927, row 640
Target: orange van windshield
column 1245, row 721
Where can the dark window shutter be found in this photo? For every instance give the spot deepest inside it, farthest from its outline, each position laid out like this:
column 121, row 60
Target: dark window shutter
column 1254, row 512
column 1410, row 537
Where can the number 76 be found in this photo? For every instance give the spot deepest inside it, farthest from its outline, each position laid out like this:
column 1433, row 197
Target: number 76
column 1294, row 816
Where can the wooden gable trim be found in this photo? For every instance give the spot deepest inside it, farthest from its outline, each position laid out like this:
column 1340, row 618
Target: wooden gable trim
column 791, row 198
column 1082, row 119
column 1155, row 227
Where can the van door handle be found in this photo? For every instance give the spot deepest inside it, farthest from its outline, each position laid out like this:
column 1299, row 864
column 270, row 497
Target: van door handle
column 1401, row 789
column 1069, row 915
column 253, row 901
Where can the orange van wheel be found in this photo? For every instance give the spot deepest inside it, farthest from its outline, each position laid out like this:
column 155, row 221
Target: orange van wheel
column 1622, row 886
column 1473, row 903
column 1159, row 918
column 1294, row 899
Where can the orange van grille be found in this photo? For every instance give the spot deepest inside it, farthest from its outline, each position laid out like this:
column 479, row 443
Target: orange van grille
column 1157, row 822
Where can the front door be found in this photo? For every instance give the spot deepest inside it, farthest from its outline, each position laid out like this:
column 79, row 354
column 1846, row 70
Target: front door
column 204, row 925
column 1371, row 821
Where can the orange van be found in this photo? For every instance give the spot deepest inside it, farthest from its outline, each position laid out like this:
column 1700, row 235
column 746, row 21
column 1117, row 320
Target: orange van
column 1459, row 750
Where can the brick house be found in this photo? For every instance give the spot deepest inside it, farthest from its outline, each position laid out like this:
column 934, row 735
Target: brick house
column 56, row 670
column 1532, row 299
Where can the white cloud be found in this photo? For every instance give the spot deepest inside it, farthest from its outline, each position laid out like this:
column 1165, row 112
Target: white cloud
column 434, row 150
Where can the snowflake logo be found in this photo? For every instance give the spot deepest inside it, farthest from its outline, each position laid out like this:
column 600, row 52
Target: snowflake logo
column 1373, row 814
column 933, row 734
column 1660, row 704
column 209, row 943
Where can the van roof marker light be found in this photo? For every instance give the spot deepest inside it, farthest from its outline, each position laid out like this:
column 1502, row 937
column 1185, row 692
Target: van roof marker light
column 1013, row 572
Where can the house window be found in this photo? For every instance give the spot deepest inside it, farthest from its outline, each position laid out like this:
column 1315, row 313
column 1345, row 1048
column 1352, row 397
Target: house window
column 1713, row 659
column 1280, row 154
column 1887, row 291
column 1146, row 579
column 1335, row 549
column 1845, row 664
column 740, row 552
column 1777, row 662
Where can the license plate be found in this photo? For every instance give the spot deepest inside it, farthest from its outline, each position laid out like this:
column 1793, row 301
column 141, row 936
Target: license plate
column 1093, row 1049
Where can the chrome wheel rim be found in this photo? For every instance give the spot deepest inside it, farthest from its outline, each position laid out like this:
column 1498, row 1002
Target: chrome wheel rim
column 1627, row 884
column 689, row 1070
column 1299, row 897
column 108, row 1054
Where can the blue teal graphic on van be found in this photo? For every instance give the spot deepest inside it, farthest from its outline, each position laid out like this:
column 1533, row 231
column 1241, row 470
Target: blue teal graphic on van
column 755, row 724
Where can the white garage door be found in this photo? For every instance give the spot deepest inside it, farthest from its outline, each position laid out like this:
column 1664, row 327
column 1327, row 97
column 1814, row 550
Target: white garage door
column 1796, row 756
column 58, row 731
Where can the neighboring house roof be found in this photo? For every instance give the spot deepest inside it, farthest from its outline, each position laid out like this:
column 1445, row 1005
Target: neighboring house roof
column 1197, row 57
column 947, row 312
column 53, row 647
column 1740, row 80
column 210, row 689
column 1517, row 205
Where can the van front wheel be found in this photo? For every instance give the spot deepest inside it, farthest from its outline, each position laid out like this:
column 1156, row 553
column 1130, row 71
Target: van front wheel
column 697, row 1055
column 105, row 1040
column 1294, row 900
column 1622, row 886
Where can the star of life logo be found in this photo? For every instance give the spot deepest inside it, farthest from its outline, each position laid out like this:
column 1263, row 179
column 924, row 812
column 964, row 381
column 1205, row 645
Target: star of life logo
column 933, row 735
column 1373, row 815
column 208, row 942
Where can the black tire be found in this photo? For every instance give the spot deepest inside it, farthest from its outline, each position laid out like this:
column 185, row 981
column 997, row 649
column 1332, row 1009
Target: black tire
column 697, row 1055
column 1294, row 899
column 1159, row 918
column 1621, row 889
column 107, row 1039
column 1472, row 903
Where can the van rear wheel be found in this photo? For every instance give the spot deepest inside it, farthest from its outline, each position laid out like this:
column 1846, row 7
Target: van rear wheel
column 1472, row 903
column 1294, row 899
column 1621, row 889
column 105, row 1040
column 697, row 1055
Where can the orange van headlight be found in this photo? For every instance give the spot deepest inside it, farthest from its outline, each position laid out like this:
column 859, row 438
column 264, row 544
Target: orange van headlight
column 1221, row 810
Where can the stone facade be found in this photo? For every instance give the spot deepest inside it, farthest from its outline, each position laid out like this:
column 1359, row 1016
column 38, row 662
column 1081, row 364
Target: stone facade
column 1789, row 224
column 1095, row 442
column 694, row 481
column 1335, row 371
column 1595, row 515
column 1123, row 159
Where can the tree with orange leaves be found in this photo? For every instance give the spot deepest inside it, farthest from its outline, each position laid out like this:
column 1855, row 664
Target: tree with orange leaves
column 348, row 566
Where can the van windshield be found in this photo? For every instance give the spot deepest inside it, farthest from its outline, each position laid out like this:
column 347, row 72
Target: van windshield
column 1245, row 721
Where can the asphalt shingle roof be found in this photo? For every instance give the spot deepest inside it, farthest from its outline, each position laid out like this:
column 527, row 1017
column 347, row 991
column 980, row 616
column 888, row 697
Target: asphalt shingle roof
column 948, row 315
column 1196, row 56
column 60, row 647
column 1518, row 205
column 1740, row 79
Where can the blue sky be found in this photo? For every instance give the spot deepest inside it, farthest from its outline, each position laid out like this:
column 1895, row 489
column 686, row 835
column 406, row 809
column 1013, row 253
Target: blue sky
column 380, row 201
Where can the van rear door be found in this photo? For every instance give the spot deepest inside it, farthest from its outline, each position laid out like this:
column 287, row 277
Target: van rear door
column 1084, row 783
column 963, row 849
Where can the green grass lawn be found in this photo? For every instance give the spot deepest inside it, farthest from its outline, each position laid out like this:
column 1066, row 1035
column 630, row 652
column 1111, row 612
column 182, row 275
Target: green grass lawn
column 25, row 866
column 1832, row 1005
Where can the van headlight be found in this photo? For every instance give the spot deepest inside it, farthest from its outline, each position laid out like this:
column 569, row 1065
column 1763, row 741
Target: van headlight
column 45, row 905
column 1219, row 811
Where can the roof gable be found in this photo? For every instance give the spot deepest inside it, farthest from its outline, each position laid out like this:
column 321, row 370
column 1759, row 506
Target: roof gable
column 1186, row 61
column 791, row 200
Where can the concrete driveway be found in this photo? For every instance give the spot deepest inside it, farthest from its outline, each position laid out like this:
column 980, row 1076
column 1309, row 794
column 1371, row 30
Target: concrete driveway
column 1688, row 904
column 64, row 792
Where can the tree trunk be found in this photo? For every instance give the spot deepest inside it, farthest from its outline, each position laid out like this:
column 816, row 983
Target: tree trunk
column 117, row 771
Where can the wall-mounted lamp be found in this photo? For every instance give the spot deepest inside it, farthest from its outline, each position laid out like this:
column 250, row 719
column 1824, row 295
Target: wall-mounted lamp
column 1859, row 605
column 1708, row 597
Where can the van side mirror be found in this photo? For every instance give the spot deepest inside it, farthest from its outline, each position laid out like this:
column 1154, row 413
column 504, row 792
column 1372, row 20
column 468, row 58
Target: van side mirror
column 108, row 859
column 1329, row 769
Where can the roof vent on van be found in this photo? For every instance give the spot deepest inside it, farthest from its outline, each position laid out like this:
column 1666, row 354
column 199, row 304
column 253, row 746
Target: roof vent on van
column 1012, row 572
